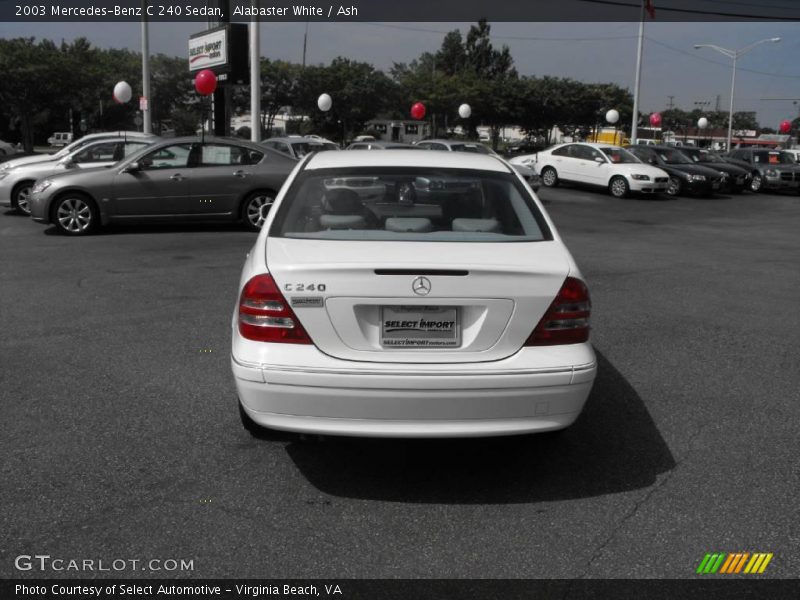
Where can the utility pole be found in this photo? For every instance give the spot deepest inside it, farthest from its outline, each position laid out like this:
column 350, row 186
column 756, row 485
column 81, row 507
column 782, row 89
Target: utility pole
column 635, row 120
column 305, row 45
column 147, row 122
column 255, row 77
column 671, row 103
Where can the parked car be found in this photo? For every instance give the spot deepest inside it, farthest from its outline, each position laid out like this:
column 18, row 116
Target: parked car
column 528, row 174
column 298, row 147
column 685, row 177
column 60, row 138
column 16, row 183
column 447, row 307
column 604, row 165
column 36, row 158
column 771, row 169
column 181, row 179
column 734, row 178
column 794, row 153
column 7, row 149
column 378, row 145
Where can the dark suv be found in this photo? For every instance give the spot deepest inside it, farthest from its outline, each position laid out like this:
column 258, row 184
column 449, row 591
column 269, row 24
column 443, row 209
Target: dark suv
column 771, row 169
column 684, row 175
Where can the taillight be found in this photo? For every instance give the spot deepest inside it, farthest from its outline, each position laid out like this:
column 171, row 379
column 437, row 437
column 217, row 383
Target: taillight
column 265, row 316
column 567, row 319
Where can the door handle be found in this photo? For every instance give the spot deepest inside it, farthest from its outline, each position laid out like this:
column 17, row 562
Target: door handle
column 177, row 177
column 239, row 173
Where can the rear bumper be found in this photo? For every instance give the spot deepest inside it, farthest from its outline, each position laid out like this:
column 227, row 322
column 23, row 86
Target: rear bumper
column 367, row 399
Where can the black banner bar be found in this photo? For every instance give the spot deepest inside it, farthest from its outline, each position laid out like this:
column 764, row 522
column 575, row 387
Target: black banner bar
column 401, row 589
column 397, row 11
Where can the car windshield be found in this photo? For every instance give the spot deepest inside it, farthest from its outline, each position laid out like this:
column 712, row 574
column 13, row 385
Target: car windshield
column 474, row 148
column 409, row 204
column 773, row 158
column 674, row 157
column 701, row 156
column 619, row 155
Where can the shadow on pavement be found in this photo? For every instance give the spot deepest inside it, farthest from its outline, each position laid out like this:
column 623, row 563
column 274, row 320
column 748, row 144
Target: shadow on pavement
column 613, row 447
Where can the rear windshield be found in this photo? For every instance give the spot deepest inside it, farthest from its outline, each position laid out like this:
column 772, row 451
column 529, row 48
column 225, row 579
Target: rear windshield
column 405, row 204
column 474, row 148
column 773, row 158
column 303, row 148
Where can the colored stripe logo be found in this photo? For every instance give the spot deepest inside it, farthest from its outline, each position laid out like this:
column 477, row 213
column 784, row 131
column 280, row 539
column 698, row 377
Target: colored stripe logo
column 731, row 563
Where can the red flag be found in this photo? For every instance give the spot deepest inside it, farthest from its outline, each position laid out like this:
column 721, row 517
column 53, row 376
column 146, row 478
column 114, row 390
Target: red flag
column 651, row 10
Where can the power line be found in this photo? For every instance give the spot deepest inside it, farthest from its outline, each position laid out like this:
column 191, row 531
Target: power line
column 506, row 37
column 691, row 11
column 715, row 62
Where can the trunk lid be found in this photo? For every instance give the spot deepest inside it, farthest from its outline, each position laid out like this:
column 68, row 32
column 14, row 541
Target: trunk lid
column 356, row 299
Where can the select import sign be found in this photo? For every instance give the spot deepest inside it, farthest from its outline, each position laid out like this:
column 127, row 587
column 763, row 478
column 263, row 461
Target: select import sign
column 222, row 49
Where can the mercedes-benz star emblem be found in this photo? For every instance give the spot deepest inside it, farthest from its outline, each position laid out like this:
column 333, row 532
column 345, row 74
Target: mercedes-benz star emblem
column 421, row 286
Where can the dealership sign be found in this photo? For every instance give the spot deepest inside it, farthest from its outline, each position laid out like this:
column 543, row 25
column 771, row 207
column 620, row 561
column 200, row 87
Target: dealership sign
column 208, row 50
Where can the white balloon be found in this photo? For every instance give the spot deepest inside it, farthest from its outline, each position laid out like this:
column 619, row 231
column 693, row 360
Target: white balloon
column 612, row 116
column 122, row 92
column 324, row 102
column 464, row 111
column 702, row 122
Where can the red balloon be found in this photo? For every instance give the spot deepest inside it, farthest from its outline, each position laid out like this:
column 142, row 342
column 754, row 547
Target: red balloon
column 786, row 126
column 418, row 111
column 205, row 82
column 655, row 119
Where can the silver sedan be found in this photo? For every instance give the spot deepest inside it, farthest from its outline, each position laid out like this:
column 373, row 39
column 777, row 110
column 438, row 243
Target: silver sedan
column 184, row 179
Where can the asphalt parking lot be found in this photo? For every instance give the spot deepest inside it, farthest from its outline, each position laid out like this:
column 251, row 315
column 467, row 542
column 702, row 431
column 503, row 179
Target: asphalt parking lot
column 121, row 437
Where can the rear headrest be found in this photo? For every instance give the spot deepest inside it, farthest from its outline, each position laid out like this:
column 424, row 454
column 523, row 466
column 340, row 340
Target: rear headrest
column 342, row 201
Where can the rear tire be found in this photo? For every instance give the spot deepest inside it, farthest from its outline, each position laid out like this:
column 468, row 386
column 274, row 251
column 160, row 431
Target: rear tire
column 255, row 209
column 618, row 187
column 75, row 214
column 549, row 177
column 21, row 197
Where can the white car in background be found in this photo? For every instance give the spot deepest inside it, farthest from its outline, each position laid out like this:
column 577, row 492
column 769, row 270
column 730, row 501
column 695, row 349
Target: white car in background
column 16, row 184
column 446, row 307
column 604, row 165
column 80, row 143
column 7, row 149
column 528, row 174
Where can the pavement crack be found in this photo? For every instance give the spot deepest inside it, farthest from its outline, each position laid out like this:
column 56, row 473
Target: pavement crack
column 642, row 501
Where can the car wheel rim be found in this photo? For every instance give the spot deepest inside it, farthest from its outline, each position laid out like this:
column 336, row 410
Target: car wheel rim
column 673, row 187
column 549, row 177
column 74, row 215
column 756, row 185
column 24, row 200
column 258, row 209
column 618, row 188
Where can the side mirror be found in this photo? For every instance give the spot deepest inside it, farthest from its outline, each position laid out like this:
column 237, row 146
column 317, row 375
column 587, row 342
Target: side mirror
column 652, row 160
column 132, row 168
column 599, row 160
column 67, row 163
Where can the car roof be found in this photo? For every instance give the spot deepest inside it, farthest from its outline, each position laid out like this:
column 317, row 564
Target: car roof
column 296, row 138
column 406, row 158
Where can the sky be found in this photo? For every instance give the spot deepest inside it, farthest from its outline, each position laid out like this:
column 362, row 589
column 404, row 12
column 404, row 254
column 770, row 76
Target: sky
column 588, row 52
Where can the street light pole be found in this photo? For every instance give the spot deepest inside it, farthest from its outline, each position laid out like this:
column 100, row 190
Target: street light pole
column 734, row 54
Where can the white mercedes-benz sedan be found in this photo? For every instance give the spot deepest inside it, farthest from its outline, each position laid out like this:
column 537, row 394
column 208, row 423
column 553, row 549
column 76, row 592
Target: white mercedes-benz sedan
column 442, row 304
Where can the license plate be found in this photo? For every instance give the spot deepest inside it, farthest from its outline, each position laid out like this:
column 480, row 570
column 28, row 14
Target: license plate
column 420, row 327
column 715, row 185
